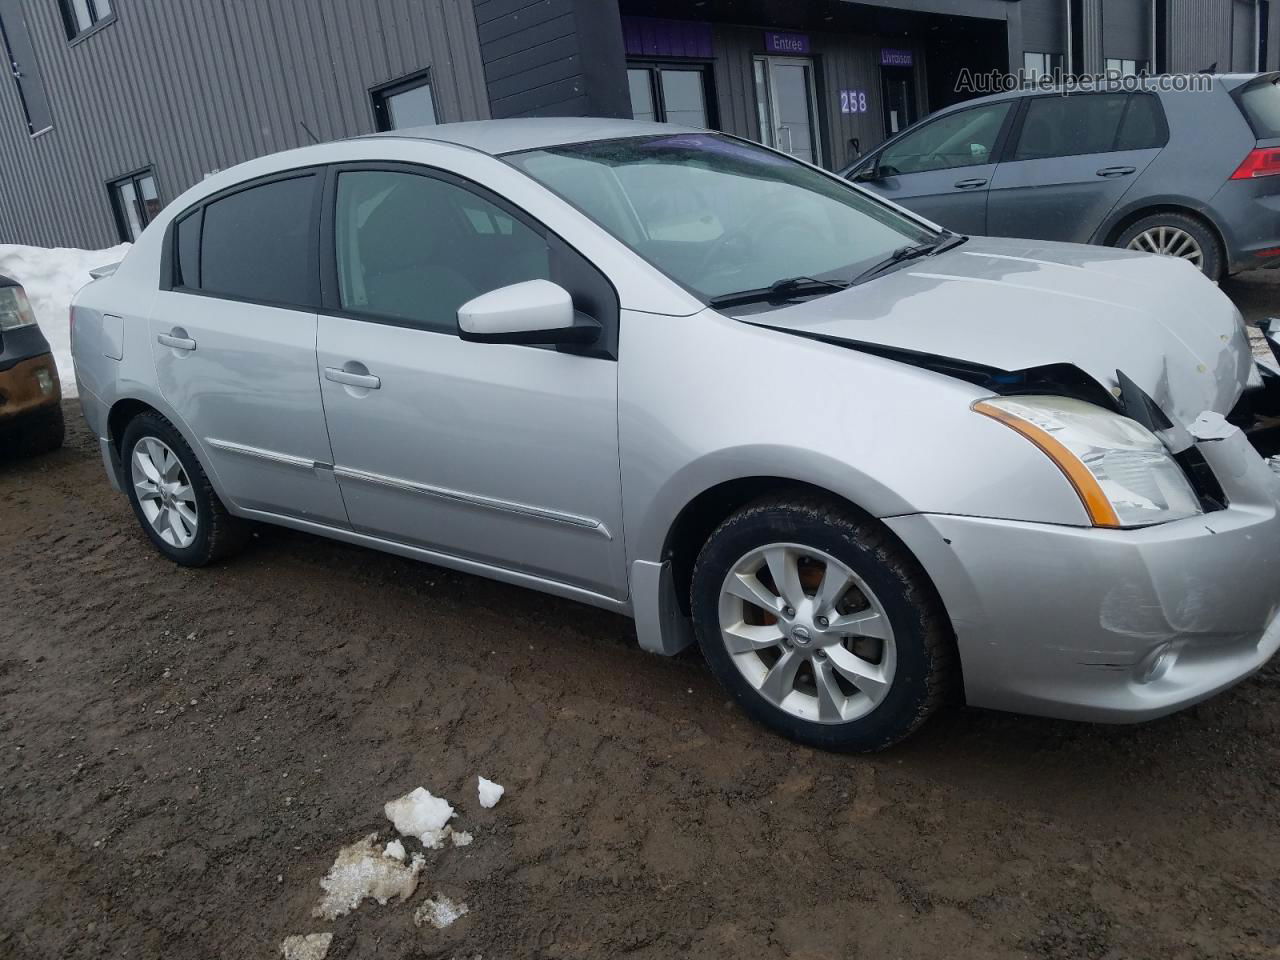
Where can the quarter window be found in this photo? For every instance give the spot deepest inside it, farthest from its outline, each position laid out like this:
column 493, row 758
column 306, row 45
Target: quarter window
column 136, row 201
column 963, row 139
column 260, row 244
column 413, row 248
column 83, row 15
column 405, row 103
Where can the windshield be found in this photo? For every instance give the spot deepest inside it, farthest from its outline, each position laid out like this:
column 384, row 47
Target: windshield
column 720, row 216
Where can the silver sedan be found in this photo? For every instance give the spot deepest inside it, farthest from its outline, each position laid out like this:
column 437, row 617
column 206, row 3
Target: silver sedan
column 865, row 463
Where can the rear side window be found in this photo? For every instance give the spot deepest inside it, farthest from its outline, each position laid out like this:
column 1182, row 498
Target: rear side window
column 1069, row 126
column 260, row 244
column 1144, row 126
column 1260, row 103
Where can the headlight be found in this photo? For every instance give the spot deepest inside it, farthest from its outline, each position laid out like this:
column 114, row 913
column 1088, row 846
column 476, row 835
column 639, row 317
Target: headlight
column 15, row 311
column 1123, row 473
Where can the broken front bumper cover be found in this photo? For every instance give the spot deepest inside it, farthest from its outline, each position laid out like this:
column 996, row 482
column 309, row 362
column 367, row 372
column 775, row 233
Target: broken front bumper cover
column 1113, row 625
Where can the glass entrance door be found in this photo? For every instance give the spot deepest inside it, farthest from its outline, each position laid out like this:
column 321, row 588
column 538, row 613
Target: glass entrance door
column 787, row 104
column 899, row 99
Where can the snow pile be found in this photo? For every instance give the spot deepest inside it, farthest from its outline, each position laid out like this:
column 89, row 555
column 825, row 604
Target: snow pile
column 310, row 946
column 440, row 912
column 490, row 792
column 461, row 838
column 395, row 850
column 362, row 870
column 51, row 278
column 419, row 814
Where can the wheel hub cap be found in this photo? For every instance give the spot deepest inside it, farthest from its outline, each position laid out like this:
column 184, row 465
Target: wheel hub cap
column 801, row 637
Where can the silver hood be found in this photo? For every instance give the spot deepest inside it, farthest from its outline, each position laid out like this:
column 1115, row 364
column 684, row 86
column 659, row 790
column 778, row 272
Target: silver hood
column 1020, row 304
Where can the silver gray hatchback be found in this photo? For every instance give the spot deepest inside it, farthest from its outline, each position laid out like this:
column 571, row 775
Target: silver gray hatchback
column 865, row 462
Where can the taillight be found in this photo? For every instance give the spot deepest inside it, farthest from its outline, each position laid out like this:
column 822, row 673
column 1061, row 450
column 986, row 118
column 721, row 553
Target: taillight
column 1262, row 162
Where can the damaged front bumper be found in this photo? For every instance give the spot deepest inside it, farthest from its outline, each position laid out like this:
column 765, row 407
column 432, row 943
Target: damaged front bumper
column 1113, row 625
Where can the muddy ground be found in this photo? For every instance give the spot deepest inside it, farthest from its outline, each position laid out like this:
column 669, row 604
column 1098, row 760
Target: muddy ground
column 182, row 753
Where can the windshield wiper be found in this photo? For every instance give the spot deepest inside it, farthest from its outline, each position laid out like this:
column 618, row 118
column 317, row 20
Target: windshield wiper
column 915, row 251
column 778, row 290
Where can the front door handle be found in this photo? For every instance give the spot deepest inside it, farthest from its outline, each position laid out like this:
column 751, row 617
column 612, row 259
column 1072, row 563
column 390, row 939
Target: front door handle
column 970, row 184
column 1117, row 171
column 365, row 380
column 175, row 341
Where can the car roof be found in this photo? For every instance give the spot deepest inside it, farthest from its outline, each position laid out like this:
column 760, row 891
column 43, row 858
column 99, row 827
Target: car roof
column 496, row 137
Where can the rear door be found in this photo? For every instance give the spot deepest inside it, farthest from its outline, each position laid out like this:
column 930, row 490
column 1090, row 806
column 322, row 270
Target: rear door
column 1072, row 159
column 234, row 342
column 943, row 167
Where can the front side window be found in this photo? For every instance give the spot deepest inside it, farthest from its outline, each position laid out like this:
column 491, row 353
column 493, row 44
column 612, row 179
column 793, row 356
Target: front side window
column 413, row 249
column 670, row 94
column 720, row 216
column 405, row 104
column 260, row 244
column 963, row 139
column 1057, row 126
column 83, row 15
column 135, row 201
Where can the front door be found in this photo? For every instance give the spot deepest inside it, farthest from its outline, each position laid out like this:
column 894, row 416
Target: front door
column 786, row 102
column 234, row 344
column 498, row 454
column 942, row 168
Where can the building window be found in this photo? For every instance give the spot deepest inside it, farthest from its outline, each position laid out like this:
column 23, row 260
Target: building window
column 1037, row 65
column 82, row 16
column 404, row 103
column 671, row 93
column 136, row 202
column 1127, row 68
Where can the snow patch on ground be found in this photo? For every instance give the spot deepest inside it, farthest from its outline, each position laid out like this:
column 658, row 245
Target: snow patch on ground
column 419, row 814
column 51, row 278
column 461, row 838
column 361, row 871
column 490, row 792
column 440, row 912
column 395, row 850
column 307, row 946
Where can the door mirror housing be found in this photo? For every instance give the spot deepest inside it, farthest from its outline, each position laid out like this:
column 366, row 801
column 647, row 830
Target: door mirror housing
column 868, row 174
column 533, row 312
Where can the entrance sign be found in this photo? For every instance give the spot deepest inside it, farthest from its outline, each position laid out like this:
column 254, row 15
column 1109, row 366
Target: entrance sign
column 789, row 43
column 896, row 58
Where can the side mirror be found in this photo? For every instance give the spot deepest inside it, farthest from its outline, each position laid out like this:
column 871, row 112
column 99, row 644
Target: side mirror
column 533, row 312
column 869, row 174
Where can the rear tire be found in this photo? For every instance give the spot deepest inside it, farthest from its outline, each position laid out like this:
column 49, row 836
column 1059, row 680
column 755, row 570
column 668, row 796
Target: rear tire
column 1180, row 235
column 172, row 497
column 854, row 652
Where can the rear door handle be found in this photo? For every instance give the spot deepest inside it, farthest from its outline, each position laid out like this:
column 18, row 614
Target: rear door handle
column 970, row 184
column 1116, row 171
column 366, row 380
column 178, row 343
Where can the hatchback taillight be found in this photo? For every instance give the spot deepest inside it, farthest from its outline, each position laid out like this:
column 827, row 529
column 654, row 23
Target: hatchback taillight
column 1262, row 162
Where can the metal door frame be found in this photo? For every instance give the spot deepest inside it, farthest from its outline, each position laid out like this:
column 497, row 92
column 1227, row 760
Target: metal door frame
column 769, row 137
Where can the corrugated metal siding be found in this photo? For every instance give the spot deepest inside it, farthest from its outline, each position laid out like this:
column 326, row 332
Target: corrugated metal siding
column 1126, row 29
column 190, row 86
column 1199, row 35
column 1244, row 36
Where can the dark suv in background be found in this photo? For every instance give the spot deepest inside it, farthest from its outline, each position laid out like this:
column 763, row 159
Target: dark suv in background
column 1188, row 174
column 30, row 392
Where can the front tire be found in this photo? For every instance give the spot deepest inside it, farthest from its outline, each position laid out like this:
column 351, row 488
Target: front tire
column 172, row 497
column 821, row 625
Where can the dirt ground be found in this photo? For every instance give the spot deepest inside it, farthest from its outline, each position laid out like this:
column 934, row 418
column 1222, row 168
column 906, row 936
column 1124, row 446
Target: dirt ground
column 182, row 753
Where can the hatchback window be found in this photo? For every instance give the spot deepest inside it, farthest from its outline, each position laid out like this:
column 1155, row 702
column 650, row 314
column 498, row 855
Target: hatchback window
column 414, row 248
column 1058, row 126
column 1260, row 101
column 963, row 139
column 259, row 244
column 720, row 216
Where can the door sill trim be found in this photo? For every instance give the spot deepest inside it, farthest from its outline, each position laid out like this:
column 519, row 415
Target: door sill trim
column 476, row 567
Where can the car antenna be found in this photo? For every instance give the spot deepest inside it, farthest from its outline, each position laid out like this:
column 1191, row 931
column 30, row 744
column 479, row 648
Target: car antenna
column 303, row 125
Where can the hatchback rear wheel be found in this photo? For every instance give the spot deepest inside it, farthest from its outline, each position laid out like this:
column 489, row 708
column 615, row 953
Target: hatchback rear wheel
column 1176, row 235
column 821, row 625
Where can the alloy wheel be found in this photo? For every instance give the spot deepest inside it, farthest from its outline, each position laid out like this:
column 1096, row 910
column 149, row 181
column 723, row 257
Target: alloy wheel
column 164, row 492
column 1169, row 242
column 807, row 633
